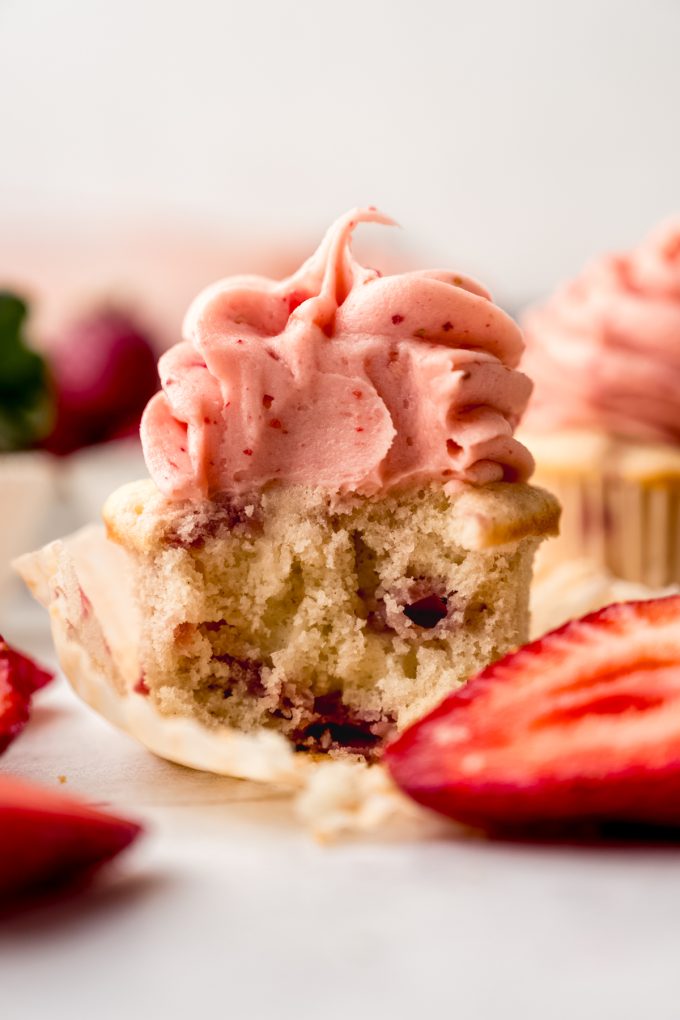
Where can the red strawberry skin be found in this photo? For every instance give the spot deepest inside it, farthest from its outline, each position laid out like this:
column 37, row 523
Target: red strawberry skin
column 581, row 727
column 48, row 840
column 20, row 677
column 104, row 371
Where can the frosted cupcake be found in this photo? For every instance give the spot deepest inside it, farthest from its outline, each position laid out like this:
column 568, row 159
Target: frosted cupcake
column 338, row 527
column 604, row 419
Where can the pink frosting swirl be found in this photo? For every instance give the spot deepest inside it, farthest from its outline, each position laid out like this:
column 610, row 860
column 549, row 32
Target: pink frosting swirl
column 604, row 351
column 339, row 378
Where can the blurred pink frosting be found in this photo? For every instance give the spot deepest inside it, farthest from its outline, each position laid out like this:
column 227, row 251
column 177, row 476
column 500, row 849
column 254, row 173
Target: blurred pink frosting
column 339, row 378
column 604, row 351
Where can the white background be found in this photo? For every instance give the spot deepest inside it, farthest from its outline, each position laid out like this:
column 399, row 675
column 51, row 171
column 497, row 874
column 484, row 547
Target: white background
column 511, row 139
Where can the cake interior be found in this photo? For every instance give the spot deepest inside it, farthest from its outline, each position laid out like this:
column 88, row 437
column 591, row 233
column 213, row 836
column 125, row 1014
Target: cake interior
column 337, row 625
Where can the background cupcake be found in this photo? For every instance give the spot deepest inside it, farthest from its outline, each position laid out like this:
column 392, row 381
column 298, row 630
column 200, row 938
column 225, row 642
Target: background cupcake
column 604, row 421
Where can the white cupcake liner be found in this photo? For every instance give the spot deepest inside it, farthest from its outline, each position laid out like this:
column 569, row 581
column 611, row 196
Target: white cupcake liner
column 626, row 526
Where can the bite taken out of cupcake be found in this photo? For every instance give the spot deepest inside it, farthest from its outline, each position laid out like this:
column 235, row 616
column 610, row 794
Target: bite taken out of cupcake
column 604, row 419
column 338, row 528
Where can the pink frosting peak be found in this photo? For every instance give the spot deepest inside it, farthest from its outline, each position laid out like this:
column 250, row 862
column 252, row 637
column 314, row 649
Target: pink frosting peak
column 341, row 379
column 604, row 351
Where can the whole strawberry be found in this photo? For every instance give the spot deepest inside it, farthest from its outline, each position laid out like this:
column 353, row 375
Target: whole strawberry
column 581, row 727
column 104, row 371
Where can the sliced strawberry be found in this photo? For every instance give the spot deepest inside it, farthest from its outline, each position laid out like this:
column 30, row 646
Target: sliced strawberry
column 581, row 726
column 48, row 840
column 20, row 677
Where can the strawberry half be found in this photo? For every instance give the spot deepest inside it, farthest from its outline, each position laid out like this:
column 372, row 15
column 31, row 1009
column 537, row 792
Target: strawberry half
column 48, row 840
column 20, row 677
column 579, row 727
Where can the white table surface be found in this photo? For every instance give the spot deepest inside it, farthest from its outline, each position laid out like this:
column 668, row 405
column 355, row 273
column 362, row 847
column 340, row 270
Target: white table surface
column 229, row 908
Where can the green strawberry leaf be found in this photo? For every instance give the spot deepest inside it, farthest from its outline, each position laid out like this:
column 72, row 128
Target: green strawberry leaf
column 26, row 399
